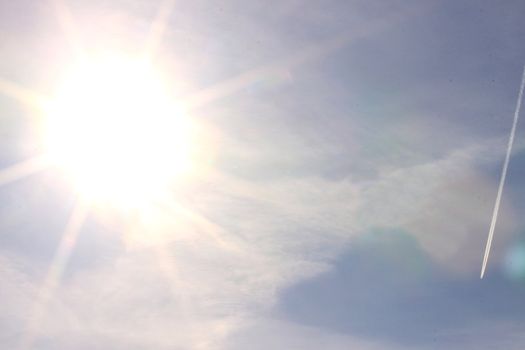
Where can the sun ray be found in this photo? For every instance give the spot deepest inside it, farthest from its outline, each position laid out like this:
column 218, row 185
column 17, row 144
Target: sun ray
column 67, row 23
column 54, row 273
column 20, row 170
column 175, row 210
column 22, row 94
column 170, row 270
column 158, row 27
column 304, row 56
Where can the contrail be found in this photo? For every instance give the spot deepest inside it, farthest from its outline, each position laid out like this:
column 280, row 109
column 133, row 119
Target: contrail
column 503, row 176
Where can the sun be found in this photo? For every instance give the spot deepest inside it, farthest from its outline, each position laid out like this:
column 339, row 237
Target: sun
column 113, row 129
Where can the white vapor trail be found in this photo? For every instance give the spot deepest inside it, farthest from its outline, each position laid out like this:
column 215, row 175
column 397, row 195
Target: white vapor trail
column 503, row 176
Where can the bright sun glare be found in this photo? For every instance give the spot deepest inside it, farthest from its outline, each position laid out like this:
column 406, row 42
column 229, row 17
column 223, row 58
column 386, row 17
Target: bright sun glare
column 115, row 131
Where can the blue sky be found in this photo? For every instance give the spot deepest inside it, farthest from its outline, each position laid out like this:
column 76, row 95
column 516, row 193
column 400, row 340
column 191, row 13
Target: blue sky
column 357, row 150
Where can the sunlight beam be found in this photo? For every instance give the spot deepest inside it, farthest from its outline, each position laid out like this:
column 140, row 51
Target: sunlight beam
column 67, row 22
column 304, row 56
column 55, row 272
column 20, row 170
column 21, row 94
column 158, row 27
column 212, row 230
column 167, row 264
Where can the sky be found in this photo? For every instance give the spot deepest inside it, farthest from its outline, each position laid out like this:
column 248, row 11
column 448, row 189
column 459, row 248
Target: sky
column 355, row 150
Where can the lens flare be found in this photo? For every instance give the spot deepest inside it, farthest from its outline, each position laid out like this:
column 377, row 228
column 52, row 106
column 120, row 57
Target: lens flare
column 514, row 262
